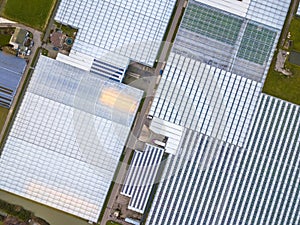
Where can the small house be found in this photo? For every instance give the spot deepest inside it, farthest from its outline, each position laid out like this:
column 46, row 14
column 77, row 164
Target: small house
column 18, row 38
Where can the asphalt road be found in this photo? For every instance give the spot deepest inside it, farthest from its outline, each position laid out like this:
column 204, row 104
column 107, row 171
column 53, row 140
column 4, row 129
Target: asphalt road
column 162, row 59
column 141, row 117
column 285, row 30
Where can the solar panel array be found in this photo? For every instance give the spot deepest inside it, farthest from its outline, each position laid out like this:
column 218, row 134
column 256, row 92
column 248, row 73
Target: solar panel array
column 141, row 176
column 131, row 28
column 65, row 142
column 205, row 99
column 214, row 182
column 11, row 72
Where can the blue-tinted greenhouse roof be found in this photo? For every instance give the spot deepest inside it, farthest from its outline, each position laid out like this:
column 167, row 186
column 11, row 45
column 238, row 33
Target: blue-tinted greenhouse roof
column 11, row 71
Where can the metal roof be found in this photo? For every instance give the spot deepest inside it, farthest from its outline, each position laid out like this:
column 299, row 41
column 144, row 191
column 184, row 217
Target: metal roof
column 237, row 159
column 269, row 12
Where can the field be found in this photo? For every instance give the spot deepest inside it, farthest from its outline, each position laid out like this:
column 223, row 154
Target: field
column 278, row 85
column 294, row 58
column 3, row 114
column 34, row 13
column 295, row 33
column 286, row 88
column 4, row 39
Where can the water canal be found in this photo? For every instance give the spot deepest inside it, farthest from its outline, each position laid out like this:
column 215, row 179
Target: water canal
column 51, row 215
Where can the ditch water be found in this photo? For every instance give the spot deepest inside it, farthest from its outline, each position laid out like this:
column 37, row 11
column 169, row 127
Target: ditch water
column 52, row 216
column 294, row 58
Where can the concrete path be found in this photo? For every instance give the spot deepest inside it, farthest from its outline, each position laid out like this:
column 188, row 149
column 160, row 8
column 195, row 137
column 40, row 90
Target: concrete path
column 3, row 20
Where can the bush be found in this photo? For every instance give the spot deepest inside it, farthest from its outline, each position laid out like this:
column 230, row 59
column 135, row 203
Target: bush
column 15, row 210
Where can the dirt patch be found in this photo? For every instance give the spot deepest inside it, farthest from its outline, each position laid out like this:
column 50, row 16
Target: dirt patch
column 120, row 205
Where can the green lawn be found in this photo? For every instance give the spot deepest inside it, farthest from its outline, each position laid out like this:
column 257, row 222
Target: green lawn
column 4, row 39
column 3, row 114
column 286, row 88
column 45, row 52
column 112, row 223
column 295, row 33
column 278, row 85
column 34, row 13
column 5, row 35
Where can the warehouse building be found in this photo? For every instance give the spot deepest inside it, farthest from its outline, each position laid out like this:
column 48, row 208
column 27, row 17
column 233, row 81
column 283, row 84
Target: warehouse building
column 112, row 66
column 73, row 124
column 206, row 99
